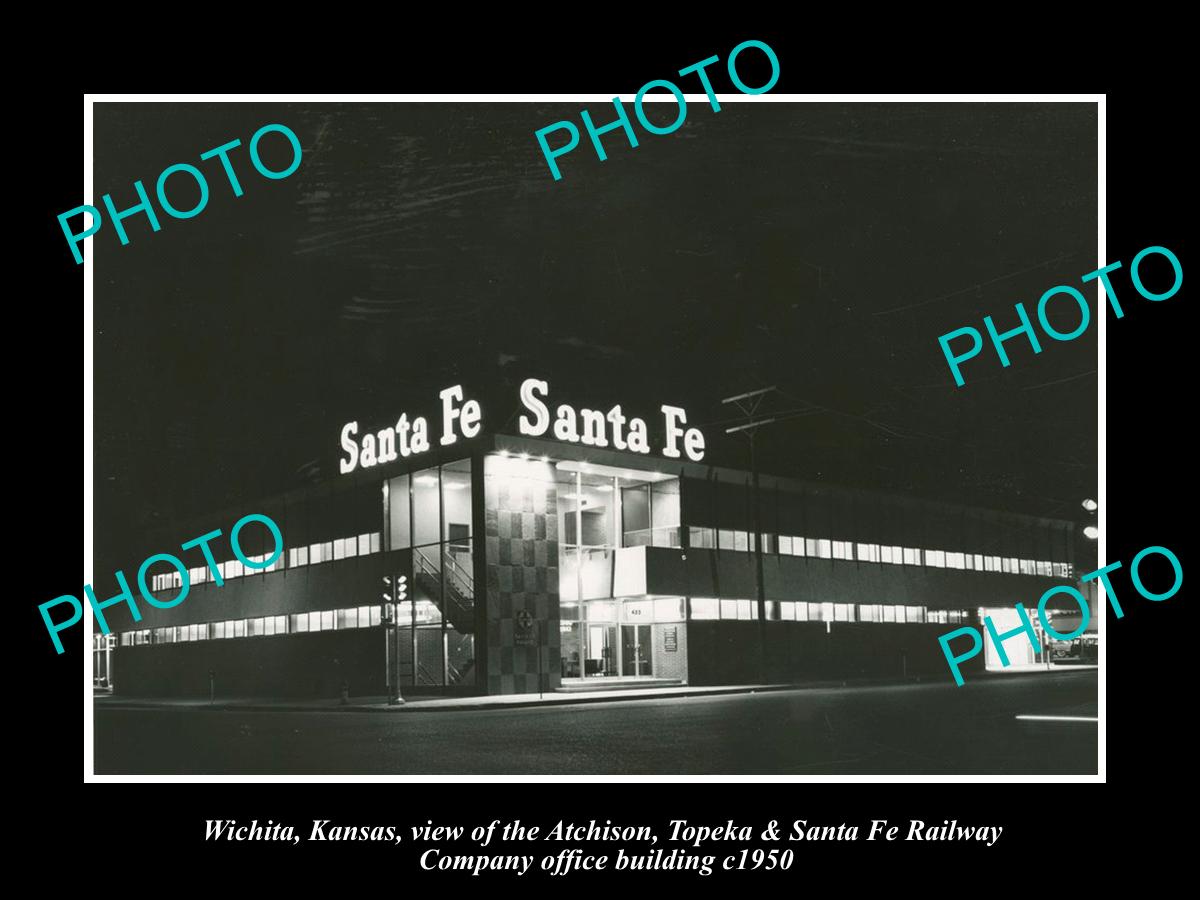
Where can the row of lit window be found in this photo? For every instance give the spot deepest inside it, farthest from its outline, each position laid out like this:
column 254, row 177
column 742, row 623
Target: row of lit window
column 823, row 548
column 327, row 551
column 422, row 612
column 263, row 626
column 790, row 611
column 702, row 608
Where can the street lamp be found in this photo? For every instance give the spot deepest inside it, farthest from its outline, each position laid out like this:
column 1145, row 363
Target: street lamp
column 1091, row 532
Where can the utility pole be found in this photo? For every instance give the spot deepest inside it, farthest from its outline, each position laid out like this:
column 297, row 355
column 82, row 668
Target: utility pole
column 748, row 404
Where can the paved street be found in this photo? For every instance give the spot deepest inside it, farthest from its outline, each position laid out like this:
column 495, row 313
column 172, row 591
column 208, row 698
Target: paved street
column 917, row 729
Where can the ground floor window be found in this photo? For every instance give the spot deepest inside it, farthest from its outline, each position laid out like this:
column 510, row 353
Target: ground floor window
column 102, row 647
column 624, row 638
column 431, row 637
column 707, row 608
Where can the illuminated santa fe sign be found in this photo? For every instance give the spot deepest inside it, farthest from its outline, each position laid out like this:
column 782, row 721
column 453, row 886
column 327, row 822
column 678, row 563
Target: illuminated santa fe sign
column 408, row 438
column 591, row 427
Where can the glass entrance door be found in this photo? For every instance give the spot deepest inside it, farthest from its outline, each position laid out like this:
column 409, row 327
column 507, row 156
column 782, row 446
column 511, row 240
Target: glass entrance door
column 600, row 657
column 635, row 650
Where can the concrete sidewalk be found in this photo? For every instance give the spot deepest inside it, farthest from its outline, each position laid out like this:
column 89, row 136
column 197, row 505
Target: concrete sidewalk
column 427, row 704
column 506, row 701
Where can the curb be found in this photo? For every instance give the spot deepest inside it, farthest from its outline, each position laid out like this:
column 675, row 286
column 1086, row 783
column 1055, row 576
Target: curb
column 570, row 699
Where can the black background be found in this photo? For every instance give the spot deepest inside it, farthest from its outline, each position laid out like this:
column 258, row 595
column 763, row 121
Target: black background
column 1148, row 498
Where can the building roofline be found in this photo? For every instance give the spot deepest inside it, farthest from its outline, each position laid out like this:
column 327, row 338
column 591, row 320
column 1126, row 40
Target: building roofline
column 724, row 474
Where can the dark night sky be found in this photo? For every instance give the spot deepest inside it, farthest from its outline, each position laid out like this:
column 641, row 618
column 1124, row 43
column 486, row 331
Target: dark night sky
column 819, row 247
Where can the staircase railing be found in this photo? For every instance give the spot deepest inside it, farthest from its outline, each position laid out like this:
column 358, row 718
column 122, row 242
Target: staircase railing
column 460, row 595
column 458, row 572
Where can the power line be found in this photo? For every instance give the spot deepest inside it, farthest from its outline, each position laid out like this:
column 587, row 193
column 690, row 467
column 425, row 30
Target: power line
column 975, row 287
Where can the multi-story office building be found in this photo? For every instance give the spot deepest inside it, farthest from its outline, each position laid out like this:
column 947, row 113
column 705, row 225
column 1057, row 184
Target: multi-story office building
column 508, row 563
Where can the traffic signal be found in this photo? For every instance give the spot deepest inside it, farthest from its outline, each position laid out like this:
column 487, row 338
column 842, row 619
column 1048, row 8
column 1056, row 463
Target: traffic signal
column 401, row 590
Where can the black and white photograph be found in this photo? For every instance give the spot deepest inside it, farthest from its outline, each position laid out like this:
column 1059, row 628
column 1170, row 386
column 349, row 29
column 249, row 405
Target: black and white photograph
column 747, row 435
